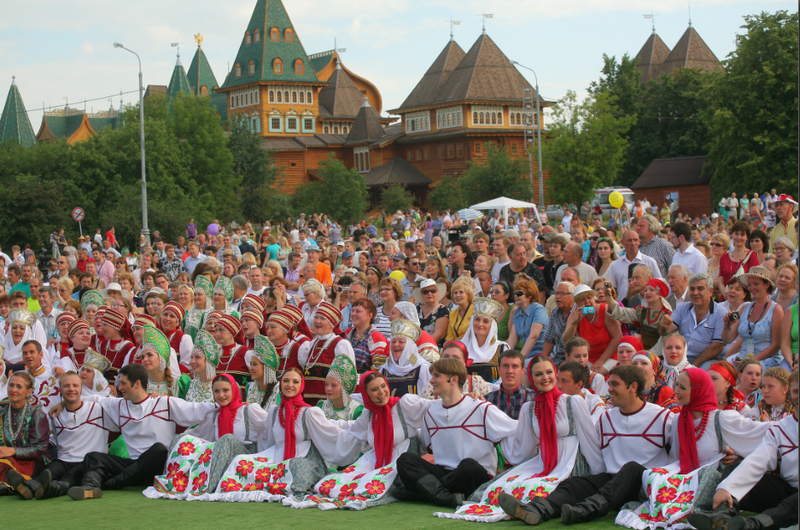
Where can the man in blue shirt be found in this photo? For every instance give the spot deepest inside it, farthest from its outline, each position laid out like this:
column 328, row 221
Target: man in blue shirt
column 700, row 323
column 511, row 395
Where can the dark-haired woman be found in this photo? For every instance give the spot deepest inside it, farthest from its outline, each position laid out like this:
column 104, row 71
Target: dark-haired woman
column 724, row 375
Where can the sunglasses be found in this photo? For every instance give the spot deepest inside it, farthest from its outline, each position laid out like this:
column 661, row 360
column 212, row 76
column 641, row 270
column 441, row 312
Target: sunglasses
column 519, row 293
column 715, row 244
column 595, row 239
column 413, row 264
column 430, row 291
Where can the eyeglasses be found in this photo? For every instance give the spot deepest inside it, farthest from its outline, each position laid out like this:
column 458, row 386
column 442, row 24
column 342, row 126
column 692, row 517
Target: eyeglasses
column 519, row 293
column 595, row 239
column 413, row 263
column 778, row 248
column 430, row 291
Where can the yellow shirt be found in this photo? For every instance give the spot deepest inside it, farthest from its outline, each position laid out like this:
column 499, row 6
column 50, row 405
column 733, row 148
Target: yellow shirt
column 779, row 231
column 458, row 326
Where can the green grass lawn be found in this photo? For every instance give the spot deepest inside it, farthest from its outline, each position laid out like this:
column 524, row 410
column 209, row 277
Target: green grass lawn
column 130, row 510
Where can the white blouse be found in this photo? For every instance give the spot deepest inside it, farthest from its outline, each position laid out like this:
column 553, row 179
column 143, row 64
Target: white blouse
column 256, row 422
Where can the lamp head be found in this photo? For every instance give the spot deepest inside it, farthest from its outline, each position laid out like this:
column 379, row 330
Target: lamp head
column 118, row 45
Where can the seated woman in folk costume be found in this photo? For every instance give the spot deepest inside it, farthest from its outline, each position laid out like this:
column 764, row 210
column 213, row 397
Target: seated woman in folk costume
column 118, row 343
column 198, row 457
column 481, row 339
column 21, row 329
column 204, row 362
column 155, row 359
column 263, row 362
column 723, row 375
column 252, row 322
column 775, row 403
column 203, row 294
column 316, row 358
column 25, row 432
column 674, row 361
column 282, row 332
column 182, row 343
column 223, row 296
column 93, row 382
column 340, row 382
column 475, row 384
column 703, row 435
column 646, row 317
column 389, row 428
column 298, row 439
column 655, row 391
column 137, row 330
column 93, row 306
column 426, row 344
column 228, row 334
column 80, row 338
column 555, row 439
column 58, row 350
column 406, row 371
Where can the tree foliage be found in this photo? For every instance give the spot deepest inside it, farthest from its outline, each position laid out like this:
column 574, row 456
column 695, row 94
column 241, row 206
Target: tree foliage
column 586, row 147
column 499, row 175
column 341, row 193
column 396, row 197
column 754, row 123
column 447, row 195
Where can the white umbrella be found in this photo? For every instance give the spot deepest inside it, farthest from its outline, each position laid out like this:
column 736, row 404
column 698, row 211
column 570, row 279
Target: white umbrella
column 468, row 214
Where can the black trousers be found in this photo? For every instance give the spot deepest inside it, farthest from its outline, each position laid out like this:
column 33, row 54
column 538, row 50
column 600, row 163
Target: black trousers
column 464, row 479
column 771, row 496
column 617, row 489
column 106, row 471
column 68, row 472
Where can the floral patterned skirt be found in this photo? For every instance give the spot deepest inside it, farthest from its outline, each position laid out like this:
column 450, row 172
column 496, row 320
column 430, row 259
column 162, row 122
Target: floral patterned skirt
column 359, row 486
column 521, row 481
column 265, row 476
column 672, row 496
column 194, row 467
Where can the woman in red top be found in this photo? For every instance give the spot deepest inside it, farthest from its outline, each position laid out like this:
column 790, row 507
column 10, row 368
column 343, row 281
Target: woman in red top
column 740, row 256
column 589, row 320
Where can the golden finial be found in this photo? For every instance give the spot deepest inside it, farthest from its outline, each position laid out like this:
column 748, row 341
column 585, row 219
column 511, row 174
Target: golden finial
column 199, row 39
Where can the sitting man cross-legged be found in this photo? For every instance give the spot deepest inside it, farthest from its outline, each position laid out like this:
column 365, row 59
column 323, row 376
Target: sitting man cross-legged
column 461, row 434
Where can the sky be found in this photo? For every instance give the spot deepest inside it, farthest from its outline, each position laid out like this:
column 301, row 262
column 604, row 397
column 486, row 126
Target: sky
column 63, row 51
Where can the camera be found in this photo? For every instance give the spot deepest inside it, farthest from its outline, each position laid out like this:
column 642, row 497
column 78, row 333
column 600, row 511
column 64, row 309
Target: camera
column 587, row 310
column 734, row 316
column 457, row 234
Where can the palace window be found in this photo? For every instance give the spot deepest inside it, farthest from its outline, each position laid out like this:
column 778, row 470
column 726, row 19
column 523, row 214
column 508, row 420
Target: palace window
column 203, row 90
column 418, row 121
column 308, row 97
column 257, row 35
column 286, row 96
column 272, row 96
column 361, row 156
column 275, row 124
column 459, row 150
column 487, row 115
column 288, row 35
column 255, row 125
column 238, row 70
column 298, row 67
column 441, row 152
column 513, row 148
column 419, row 154
column 294, row 96
column 345, row 129
column 449, row 117
column 308, row 125
column 291, row 125
column 278, row 68
column 477, row 148
column 450, row 150
column 279, row 96
column 335, row 129
column 302, row 96
column 427, row 153
column 251, row 68
column 274, row 35
column 247, row 38
column 325, row 130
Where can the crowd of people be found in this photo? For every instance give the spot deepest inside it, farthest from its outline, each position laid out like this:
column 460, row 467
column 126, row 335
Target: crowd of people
column 497, row 368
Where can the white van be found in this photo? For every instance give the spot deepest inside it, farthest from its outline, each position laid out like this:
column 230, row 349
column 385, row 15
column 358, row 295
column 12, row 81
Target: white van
column 601, row 198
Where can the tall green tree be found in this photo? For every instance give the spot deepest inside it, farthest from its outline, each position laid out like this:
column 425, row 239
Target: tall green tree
column 255, row 168
column 396, row 197
column 754, row 124
column 447, row 195
column 341, row 193
column 621, row 80
column 586, row 147
column 499, row 175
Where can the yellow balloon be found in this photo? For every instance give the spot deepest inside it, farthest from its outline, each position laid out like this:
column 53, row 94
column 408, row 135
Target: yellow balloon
column 397, row 275
column 615, row 199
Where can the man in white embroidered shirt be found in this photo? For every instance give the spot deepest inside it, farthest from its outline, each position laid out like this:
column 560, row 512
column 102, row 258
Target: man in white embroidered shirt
column 632, row 429
column 461, row 434
column 621, row 269
column 148, row 426
column 680, row 235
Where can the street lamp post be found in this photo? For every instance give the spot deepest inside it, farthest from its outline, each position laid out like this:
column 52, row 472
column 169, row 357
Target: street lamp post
column 145, row 229
column 538, row 136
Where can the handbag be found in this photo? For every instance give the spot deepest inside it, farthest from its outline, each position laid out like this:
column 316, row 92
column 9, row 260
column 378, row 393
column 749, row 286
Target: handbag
column 741, row 270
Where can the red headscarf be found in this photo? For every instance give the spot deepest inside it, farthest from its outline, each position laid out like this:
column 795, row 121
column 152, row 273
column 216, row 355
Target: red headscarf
column 703, row 399
column 228, row 413
column 382, row 423
column 461, row 346
column 288, row 413
column 548, row 438
column 737, row 394
column 632, row 341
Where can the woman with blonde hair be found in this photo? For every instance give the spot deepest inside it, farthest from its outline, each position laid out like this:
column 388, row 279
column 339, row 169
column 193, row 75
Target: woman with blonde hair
column 391, row 292
column 274, row 269
column 186, row 296
column 462, row 295
column 720, row 243
column 64, row 292
column 775, row 403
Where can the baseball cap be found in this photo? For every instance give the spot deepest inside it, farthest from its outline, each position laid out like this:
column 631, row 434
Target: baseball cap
column 549, row 236
column 398, row 257
column 511, row 233
column 313, row 248
column 347, row 254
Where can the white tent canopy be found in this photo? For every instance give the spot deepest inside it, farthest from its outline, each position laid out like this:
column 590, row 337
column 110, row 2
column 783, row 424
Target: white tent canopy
column 504, row 204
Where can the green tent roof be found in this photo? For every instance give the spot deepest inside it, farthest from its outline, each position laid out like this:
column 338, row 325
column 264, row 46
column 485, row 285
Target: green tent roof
column 179, row 83
column 200, row 73
column 14, row 123
column 269, row 14
column 321, row 60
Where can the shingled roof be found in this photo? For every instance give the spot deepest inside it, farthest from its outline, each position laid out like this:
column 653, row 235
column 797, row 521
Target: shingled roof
column 484, row 74
column 651, row 57
column 269, row 14
column 341, row 98
column 200, row 73
column 396, row 171
column 15, row 126
column 427, row 89
column 367, row 126
column 682, row 171
column 178, row 83
column 690, row 52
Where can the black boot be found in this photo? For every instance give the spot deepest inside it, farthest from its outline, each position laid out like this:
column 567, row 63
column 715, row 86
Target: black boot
column 592, row 508
column 758, row 522
column 716, row 518
column 45, row 478
column 80, row 493
column 56, row 488
column 5, row 489
column 537, row 511
column 18, row 482
column 124, row 479
column 436, row 492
